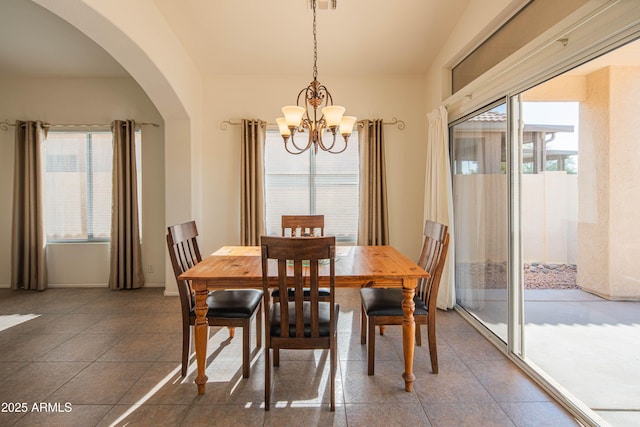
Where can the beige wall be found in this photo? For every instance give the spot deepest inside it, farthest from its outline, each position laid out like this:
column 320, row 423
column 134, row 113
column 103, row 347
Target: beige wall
column 201, row 176
column 549, row 207
column 85, row 101
column 625, row 185
column 152, row 54
column 236, row 97
column 229, row 97
column 562, row 88
column 608, row 230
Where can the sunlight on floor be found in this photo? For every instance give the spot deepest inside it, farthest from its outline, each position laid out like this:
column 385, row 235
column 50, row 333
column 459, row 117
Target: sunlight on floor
column 595, row 362
column 147, row 396
column 9, row 320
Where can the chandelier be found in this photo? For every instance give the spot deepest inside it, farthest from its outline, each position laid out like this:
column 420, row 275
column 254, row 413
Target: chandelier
column 299, row 118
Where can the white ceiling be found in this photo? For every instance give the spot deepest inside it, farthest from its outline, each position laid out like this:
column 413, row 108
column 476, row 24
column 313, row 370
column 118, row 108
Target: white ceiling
column 254, row 37
column 245, row 37
column 275, row 37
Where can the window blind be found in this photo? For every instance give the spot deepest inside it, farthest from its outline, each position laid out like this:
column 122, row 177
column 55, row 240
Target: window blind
column 77, row 180
column 313, row 184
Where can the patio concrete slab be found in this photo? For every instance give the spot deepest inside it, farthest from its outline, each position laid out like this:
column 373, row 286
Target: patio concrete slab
column 589, row 345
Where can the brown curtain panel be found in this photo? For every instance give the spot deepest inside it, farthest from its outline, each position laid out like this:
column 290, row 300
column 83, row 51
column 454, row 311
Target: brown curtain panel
column 28, row 239
column 252, row 207
column 373, row 226
column 126, row 256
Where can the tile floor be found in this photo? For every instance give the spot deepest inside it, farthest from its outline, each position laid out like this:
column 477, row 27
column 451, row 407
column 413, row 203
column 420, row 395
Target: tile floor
column 96, row 357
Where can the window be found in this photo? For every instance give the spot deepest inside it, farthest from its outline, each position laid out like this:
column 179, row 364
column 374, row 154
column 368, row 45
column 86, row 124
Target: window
column 313, row 184
column 77, row 185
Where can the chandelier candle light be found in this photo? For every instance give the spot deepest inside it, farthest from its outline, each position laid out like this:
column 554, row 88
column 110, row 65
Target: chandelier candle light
column 298, row 119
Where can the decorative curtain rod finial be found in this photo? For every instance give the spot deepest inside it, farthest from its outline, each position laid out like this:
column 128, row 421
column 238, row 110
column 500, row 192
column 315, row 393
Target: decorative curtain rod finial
column 4, row 125
column 394, row 122
column 224, row 125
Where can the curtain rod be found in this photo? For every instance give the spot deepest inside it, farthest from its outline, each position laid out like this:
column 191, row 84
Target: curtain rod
column 226, row 123
column 4, row 125
column 394, row 121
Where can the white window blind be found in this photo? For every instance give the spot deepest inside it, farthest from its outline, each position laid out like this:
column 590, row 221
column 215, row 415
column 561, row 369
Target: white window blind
column 313, row 184
column 77, row 185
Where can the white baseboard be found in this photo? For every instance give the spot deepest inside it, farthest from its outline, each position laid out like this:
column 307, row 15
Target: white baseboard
column 63, row 285
column 154, row 285
column 76, row 285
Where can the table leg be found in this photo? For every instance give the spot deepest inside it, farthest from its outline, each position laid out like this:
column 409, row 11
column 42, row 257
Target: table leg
column 201, row 333
column 408, row 332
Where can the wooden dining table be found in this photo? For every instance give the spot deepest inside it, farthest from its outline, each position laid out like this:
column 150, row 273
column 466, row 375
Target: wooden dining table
column 235, row 267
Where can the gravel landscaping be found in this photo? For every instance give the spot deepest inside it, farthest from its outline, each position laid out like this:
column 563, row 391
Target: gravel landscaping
column 536, row 275
column 550, row 276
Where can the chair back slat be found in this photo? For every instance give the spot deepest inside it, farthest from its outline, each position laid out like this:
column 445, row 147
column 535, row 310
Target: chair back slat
column 432, row 258
column 283, row 286
column 184, row 253
column 298, row 286
column 314, row 293
column 302, row 225
column 305, row 253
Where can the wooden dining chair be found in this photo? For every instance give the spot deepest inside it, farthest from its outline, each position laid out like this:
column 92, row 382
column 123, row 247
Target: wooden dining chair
column 382, row 306
column 299, row 323
column 231, row 308
column 302, row 226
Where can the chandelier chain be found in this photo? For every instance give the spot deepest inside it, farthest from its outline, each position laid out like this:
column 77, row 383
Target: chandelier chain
column 315, row 44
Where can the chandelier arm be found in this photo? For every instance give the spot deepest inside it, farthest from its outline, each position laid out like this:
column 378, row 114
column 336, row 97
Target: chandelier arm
column 296, row 145
column 343, row 148
column 333, row 141
column 305, row 90
column 312, row 100
column 286, row 147
column 329, row 99
column 329, row 149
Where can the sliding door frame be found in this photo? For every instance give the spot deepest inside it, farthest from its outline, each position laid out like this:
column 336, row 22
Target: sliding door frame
column 595, row 29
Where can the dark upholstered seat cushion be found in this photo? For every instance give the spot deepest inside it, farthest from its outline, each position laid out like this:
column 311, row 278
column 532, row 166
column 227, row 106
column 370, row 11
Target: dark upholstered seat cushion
column 387, row 302
column 323, row 314
column 323, row 292
column 235, row 304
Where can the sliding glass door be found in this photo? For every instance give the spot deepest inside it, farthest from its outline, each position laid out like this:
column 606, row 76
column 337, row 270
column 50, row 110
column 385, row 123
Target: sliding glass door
column 478, row 144
column 580, row 233
column 546, row 232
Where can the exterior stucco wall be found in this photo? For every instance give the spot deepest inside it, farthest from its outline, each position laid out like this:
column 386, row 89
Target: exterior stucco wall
column 608, row 231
